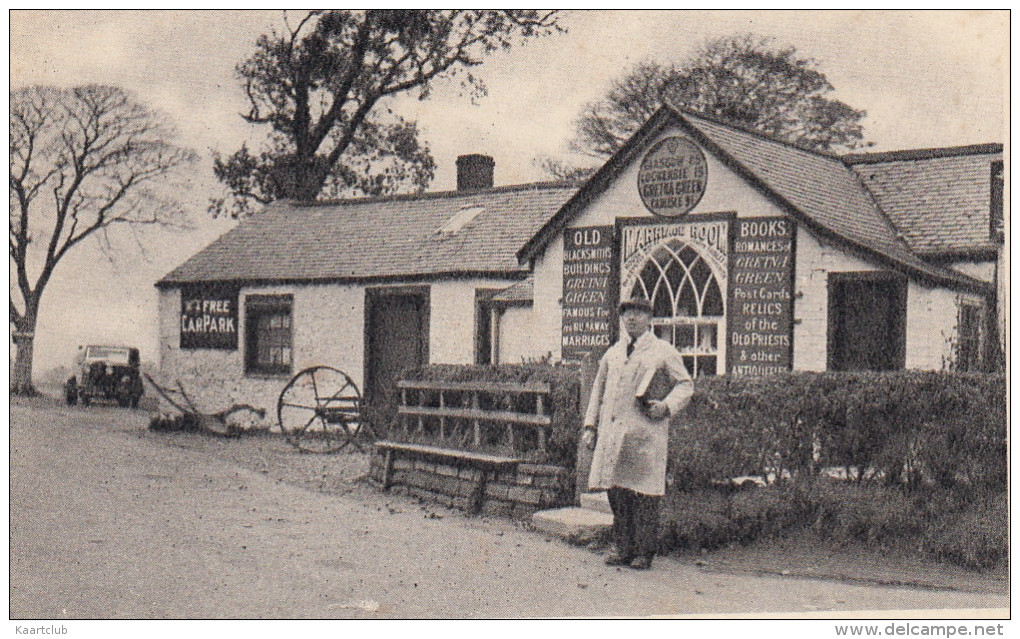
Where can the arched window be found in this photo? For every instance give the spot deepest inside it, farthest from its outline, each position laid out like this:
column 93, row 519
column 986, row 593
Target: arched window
column 687, row 302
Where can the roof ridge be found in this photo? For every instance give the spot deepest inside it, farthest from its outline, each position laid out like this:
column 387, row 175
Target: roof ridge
column 837, row 163
column 743, row 128
column 898, row 235
column 878, row 157
column 435, row 195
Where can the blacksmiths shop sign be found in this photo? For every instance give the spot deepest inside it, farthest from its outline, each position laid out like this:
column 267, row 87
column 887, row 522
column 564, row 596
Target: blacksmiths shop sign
column 672, row 177
column 588, row 306
column 209, row 317
column 761, row 297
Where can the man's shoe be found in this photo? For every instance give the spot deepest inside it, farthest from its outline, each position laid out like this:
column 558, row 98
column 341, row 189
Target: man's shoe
column 641, row 563
column 616, row 559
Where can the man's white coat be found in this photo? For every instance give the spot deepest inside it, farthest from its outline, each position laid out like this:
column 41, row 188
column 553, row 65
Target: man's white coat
column 631, row 449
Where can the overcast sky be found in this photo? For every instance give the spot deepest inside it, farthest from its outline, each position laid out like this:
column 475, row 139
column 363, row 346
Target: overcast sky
column 926, row 79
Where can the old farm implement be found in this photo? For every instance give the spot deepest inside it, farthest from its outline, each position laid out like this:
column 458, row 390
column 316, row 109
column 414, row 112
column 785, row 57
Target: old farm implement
column 217, row 423
column 320, row 410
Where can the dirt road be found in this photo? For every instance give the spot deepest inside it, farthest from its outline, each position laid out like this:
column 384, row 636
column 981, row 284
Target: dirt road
column 111, row 521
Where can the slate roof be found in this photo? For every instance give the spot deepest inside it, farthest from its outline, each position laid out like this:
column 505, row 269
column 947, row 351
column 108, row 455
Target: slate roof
column 937, row 198
column 818, row 189
column 378, row 238
column 522, row 292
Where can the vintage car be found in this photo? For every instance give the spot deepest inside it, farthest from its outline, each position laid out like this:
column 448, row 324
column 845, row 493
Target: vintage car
column 105, row 372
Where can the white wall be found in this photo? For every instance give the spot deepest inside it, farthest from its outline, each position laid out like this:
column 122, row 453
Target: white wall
column 516, row 335
column 452, row 321
column 328, row 323
column 931, row 313
column 547, row 309
column 984, row 271
column 328, row 329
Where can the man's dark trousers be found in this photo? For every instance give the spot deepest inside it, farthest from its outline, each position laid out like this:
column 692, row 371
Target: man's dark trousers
column 635, row 522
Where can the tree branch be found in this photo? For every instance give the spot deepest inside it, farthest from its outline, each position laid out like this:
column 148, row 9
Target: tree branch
column 342, row 94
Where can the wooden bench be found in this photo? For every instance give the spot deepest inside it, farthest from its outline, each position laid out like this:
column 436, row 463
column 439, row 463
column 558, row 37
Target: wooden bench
column 485, row 463
column 462, row 426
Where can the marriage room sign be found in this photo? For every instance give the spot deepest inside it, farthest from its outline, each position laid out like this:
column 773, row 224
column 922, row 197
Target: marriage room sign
column 209, row 317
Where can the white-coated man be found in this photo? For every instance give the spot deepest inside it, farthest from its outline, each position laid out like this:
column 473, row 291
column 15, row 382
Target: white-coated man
column 641, row 383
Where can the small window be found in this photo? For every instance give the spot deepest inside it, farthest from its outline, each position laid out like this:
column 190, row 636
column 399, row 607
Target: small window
column 968, row 344
column 460, row 219
column 995, row 218
column 268, row 325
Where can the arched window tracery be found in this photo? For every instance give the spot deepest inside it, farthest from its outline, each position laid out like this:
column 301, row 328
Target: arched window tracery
column 687, row 302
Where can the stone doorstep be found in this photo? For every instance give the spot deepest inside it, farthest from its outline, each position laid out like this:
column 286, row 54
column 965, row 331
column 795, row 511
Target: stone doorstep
column 572, row 523
column 596, row 500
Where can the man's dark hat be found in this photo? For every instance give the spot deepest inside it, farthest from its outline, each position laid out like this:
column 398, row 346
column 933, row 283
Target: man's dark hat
column 636, row 302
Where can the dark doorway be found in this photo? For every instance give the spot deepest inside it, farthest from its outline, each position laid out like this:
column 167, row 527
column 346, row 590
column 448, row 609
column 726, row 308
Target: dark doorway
column 483, row 324
column 867, row 321
column 396, row 339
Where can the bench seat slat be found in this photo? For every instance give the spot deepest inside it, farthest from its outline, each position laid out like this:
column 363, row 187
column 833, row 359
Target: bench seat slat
column 436, row 451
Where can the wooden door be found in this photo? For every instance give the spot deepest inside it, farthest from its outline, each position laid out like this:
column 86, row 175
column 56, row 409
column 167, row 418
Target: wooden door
column 396, row 339
column 867, row 321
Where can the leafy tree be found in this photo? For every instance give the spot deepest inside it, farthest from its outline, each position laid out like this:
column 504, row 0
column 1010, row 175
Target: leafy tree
column 321, row 89
column 746, row 80
column 82, row 160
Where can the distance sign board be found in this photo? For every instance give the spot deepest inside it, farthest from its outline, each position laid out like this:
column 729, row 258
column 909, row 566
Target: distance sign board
column 672, row 177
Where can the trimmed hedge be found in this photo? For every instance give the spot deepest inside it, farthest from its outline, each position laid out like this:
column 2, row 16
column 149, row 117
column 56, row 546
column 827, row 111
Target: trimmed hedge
column 899, row 428
column 911, row 458
column 906, row 428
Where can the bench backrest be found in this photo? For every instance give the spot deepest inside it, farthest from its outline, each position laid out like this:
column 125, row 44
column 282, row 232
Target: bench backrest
column 508, row 418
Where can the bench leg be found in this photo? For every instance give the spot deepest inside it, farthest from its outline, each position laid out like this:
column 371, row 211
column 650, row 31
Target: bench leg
column 387, row 478
column 478, row 495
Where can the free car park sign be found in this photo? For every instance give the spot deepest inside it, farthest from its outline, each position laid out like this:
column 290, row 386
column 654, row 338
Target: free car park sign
column 209, row 317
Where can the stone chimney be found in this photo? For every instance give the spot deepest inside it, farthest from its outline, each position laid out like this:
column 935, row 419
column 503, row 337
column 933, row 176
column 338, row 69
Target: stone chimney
column 474, row 172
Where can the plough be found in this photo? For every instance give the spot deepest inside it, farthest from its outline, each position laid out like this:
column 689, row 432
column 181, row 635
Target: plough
column 319, row 411
column 215, row 423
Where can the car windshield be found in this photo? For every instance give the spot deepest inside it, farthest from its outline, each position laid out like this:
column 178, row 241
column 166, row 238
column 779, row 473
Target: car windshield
column 111, row 354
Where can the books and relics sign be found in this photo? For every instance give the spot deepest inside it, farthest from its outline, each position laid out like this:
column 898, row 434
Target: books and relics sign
column 761, row 297
column 209, row 317
column 588, row 305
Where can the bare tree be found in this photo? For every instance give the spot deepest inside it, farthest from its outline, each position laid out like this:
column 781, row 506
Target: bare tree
column 561, row 171
column 320, row 89
column 82, row 160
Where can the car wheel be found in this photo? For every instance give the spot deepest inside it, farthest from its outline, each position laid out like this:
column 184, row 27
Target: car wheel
column 71, row 393
column 85, row 400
